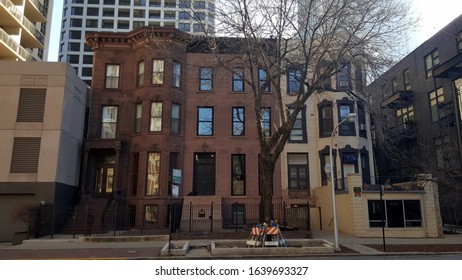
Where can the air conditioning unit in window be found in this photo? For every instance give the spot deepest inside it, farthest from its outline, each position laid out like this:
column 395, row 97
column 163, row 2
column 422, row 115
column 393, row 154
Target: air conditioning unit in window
column 362, row 126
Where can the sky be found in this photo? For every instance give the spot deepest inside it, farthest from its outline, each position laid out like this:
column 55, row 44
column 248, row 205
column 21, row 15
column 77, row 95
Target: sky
column 434, row 15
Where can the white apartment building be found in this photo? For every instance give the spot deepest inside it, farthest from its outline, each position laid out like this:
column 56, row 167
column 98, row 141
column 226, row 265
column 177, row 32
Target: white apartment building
column 24, row 29
column 81, row 17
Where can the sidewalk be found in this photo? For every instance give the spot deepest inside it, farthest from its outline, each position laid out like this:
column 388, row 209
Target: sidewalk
column 65, row 247
column 360, row 244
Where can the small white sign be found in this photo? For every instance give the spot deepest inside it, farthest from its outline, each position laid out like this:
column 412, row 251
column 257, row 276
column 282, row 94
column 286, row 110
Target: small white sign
column 175, row 190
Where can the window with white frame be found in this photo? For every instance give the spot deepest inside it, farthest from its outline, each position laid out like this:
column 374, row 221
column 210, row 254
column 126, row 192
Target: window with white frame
column 140, row 74
column 153, row 174
column 109, row 122
column 138, row 115
column 176, row 74
column 175, row 120
column 112, row 76
column 156, row 117
column 157, row 72
column 298, row 132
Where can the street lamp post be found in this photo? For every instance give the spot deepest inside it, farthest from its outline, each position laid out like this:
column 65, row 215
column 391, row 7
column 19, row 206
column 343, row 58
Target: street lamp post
column 329, row 169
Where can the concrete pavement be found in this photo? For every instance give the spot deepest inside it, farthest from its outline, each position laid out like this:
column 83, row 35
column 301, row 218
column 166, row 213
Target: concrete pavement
column 144, row 247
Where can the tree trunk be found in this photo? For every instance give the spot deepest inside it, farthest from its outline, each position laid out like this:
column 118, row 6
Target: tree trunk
column 266, row 191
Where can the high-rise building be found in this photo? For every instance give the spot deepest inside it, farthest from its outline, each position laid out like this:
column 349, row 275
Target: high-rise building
column 24, row 29
column 81, row 17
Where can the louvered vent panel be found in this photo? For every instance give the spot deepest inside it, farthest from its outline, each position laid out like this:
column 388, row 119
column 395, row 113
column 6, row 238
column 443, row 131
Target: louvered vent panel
column 31, row 105
column 26, row 152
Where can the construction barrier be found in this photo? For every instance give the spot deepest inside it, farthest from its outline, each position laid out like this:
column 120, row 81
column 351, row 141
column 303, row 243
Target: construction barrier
column 264, row 235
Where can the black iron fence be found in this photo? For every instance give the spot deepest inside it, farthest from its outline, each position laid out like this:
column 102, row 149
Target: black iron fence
column 125, row 220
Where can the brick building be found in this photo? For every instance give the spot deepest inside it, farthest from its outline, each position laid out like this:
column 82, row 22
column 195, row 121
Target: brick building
column 159, row 105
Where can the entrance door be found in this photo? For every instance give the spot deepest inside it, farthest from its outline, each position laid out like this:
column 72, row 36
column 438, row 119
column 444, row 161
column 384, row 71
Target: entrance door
column 395, row 216
column 104, row 179
column 204, row 174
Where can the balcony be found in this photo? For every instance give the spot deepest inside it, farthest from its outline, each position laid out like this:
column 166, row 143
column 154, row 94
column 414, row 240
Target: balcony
column 402, row 131
column 35, row 11
column 12, row 50
column 451, row 69
column 398, row 100
column 12, row 19
column 396, row 187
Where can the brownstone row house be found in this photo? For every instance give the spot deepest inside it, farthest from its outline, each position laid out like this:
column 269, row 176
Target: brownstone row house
column 160, row 104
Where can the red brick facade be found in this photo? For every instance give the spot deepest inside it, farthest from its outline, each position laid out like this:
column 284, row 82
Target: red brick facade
column 118, row 168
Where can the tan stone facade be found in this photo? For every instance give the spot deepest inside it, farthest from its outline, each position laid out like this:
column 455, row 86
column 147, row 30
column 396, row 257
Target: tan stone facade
column 354, row 209
column 43, row 112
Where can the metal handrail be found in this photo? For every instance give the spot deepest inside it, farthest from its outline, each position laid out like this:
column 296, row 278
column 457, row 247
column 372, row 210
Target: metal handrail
column 15, row 46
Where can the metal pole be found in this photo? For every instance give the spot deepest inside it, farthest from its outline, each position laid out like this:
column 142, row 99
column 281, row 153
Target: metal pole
column 75, row 221
column 350, row 118
column 53, row 221
column 170, row 215
column 334, row 202
column 382, row 204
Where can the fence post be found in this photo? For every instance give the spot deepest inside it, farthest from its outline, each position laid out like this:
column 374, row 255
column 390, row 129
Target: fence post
column 29, row 224
column 53, row 221
column 190, row 216
column 211, row 217
column 116, row 216
column 308, row 217
column 75, row 221
column 143, row 220
column 235, row 215
column 284, row 222
column 86, row 221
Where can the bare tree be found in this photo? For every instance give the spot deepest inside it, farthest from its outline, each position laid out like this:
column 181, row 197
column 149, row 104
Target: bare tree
column 316, row 38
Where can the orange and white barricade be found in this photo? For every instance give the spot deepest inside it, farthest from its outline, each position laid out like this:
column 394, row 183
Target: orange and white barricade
column 264, row 235
column 274, row 236
column 256, row 236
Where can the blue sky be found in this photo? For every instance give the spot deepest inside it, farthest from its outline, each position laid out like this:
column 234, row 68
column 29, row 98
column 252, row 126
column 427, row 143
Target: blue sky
column 434, row 15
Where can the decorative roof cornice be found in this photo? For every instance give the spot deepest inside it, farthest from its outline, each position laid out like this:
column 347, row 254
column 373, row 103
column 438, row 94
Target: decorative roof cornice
column 140, row 36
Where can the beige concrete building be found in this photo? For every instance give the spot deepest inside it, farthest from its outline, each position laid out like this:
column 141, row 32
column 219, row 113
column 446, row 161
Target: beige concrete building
column 42, row 107
column 411, row 209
